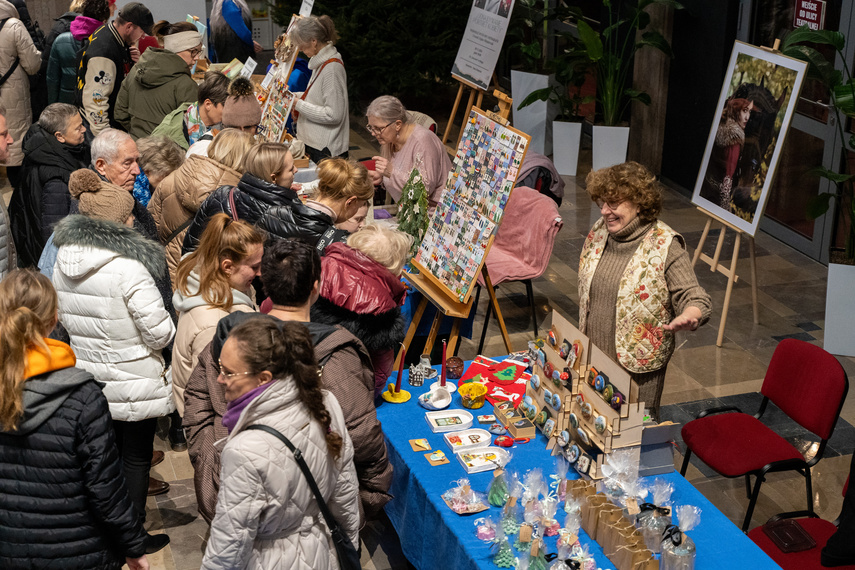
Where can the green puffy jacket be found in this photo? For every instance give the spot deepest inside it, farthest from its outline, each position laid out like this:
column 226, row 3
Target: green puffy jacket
column 157, row 85
column 172, row 126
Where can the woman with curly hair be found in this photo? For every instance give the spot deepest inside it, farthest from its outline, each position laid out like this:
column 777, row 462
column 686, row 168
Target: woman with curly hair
column 267, row 516
column 636, row 282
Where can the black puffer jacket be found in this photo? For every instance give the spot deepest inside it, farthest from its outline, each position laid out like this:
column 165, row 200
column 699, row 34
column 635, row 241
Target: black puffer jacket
column 296, row 220
column 63, row 498
column 43, row 198
column 252, row 197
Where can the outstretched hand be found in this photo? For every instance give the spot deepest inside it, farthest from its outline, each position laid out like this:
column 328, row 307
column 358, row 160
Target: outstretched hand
column 688, row 320
column 140, row 563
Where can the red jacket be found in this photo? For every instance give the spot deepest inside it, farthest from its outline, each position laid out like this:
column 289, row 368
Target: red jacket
column 353, row 281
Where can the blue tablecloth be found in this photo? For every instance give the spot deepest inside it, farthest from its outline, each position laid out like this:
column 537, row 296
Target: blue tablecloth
column 433, row 536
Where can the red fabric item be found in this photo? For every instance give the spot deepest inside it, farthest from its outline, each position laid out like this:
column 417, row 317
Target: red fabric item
column 807, row 383
column 525, row 238
column 484, row 370
column 846, row 486
column 147, row 42
column 819, row 529
column 734, row 444
column 354, row 281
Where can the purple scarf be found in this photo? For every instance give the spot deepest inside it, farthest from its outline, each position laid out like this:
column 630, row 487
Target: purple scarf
column 236, row 406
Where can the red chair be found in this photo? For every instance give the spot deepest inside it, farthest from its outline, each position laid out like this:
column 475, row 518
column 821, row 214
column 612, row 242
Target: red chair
column 806, row 383
column 523, row 245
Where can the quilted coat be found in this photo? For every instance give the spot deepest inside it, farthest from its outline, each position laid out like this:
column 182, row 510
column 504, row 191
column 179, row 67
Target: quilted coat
column 114, row 313
column 267, row 516
column 347, row 374
column 178, row 197
column 253, row 197
column 197, row 323
column 8, row 257
column 364, row 297
column 61, row 477
column 158, row 83
column 15, row 42
column 296, row 220
column 61, row 69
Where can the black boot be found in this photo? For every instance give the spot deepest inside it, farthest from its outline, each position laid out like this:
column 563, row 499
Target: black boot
column 176, row 433
column 840, row 549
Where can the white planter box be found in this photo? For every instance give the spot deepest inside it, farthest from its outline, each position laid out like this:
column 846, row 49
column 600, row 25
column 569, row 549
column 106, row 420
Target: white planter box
column 839, row 337
column 566, row 139
column 610, row 145
column 536, row 119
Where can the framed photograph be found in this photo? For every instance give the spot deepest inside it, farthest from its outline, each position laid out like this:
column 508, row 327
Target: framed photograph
column 749, row 126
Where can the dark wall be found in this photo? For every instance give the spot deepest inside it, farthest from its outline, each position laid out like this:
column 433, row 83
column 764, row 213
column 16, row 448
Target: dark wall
column 703, row 39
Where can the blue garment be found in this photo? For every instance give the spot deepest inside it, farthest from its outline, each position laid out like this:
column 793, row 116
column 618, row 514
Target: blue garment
column 234, row 18
column 297, row 83
column 48, row 258
column 142, row 189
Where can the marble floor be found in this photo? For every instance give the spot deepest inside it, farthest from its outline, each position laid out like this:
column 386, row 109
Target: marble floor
column 791, row 295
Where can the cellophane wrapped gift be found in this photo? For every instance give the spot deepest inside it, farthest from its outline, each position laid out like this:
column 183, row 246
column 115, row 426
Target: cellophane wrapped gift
column 559, row 479
column 551, row 526
column 503, row 555
column 498, row 493
column 485, row 528
column 511, row 517
column 655, row 516
column 678, row 550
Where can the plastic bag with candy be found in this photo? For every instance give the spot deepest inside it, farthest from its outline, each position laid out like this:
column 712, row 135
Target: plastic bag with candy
column 572, row 504
column 529, row 530
column 497, row 492
column 634, row 494
column 485, row 528
column 511, row 513
column 678, row 550
column 559, row 479
column 463, row 500
column 654, row 517
column 537, row 554
column 533, row 485
column 503, row 556
column 581, row 556
column 550, row 524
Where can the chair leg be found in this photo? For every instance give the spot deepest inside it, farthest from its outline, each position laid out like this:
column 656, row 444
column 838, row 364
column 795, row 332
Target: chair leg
column 809, row 489
column 686, row 461
column 748, row 485
column 752, row 503
column 530, row 293
column 477, row 297
column 486, row 324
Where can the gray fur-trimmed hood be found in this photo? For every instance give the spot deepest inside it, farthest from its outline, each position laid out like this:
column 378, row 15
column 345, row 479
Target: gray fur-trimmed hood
column 729, row 133
column 113, row 239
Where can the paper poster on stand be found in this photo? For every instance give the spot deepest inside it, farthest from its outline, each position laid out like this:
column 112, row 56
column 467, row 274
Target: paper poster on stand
column 306, row 8
column 482, row 42
column 754, row 111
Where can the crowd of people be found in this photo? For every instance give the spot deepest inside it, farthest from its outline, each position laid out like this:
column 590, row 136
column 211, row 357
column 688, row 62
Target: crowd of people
column 157, row 261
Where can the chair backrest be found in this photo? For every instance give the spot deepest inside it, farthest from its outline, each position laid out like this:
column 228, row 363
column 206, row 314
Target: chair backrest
column 808, row 384
column 421, row 119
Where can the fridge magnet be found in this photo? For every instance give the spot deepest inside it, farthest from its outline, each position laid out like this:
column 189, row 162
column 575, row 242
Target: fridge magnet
column 420, row 444
column 437, row 457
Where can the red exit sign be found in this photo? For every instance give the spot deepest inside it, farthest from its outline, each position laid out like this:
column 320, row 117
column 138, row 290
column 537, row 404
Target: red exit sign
column 810, row 12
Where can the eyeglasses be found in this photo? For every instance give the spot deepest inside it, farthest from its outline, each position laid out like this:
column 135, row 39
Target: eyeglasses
column 612, row 205
column 230, row 376
column 196, row 52
column 375, row 131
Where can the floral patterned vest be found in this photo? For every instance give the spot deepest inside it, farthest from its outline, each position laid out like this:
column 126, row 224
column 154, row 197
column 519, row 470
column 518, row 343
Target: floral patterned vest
column 643, row 300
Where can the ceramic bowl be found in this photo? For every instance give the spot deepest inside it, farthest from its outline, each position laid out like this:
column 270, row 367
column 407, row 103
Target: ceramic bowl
column 437, row 399
column 473, row 395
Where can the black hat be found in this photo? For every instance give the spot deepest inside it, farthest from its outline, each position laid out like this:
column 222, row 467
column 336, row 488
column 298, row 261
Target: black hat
column 136, row 13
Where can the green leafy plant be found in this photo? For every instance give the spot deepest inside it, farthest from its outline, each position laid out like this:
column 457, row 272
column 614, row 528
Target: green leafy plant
column 841, row 88
column 527, row 34
column 613, row 50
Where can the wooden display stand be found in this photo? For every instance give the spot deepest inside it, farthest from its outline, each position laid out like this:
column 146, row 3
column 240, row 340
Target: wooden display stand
column 476, row 99
column 730, row 272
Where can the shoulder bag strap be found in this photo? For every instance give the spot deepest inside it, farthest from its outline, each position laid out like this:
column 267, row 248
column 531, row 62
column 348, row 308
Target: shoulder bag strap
column 295, row 113
column 298, row 456
column 178, row 230
column 232, row 205
column 14, row 63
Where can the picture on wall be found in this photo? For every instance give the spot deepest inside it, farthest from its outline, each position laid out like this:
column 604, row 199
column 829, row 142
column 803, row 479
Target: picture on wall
column 754, row 111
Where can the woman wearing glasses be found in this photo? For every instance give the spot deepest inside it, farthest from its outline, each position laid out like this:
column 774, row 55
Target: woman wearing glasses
column 404, row 144
column 636, row 282
column 160, row 81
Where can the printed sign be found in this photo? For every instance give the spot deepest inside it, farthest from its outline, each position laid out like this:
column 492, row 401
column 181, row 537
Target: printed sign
column 482, row 41
column 810, row 12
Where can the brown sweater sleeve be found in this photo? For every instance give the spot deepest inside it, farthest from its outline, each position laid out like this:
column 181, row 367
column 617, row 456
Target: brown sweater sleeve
column 682, row 282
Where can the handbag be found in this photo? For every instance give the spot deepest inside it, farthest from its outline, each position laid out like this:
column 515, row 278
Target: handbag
column 348, row 557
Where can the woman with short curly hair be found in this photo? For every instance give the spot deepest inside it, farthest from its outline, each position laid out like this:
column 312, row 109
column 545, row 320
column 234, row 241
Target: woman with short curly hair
column 636, row 282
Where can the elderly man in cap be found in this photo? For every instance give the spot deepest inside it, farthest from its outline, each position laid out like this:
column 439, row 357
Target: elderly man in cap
column 105, row 59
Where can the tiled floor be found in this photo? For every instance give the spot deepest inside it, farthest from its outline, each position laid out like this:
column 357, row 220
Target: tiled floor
column 791, row 292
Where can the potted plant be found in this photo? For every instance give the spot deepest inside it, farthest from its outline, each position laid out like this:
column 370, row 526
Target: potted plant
column 571, row 68
column 613, row 49
column 840, row 304
column 528, row 34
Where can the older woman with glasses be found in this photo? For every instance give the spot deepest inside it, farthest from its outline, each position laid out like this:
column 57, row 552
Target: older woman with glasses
column 160, row 82
column 636, row 282
column 404, row 144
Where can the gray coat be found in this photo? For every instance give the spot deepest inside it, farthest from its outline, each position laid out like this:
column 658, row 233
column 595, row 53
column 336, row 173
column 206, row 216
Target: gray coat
column 8, row 257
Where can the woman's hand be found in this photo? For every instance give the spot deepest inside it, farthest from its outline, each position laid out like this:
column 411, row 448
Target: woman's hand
column 257, row 46
column 135, row 53
column 380, row 166
column 686, row 321
column 140, row 563
column 376, row 177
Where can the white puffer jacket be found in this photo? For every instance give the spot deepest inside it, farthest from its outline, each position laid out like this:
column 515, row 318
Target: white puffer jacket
column 114, row 313
column 267, row 516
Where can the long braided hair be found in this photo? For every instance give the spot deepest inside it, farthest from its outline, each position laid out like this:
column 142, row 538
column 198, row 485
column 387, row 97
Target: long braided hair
column 285, row 349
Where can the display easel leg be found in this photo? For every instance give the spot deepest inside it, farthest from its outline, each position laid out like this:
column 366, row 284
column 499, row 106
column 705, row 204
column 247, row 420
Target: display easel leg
column 411, row 332
column 454, row 337
column 495, row 302
column 434, row 331
column 453, row 113
column 700, row 247
column 469, row 106
column 753, row 262
column 730, row 280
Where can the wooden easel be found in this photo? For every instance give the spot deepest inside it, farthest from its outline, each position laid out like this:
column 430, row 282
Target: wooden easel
column 474, row 101
column 730, row 273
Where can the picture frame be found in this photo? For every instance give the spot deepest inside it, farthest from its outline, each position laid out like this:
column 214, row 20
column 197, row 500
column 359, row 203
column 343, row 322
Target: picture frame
column 749, row 127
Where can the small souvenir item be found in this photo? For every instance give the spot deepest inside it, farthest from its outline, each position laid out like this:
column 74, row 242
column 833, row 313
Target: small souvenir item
column 572, row 453
column 541, row 358
column 565, row 349
column 580, row 399
column 556, row 378
column 678, row 550
column 497, row 492
column 535, row 381
column 583, row 464
column 564, row 438
column 504, row 441
column 394, row 394
column 553, row 340
column 583, row 436
column 587, row 411
column 498, row 429
column 473, row 395
column 599, row 382
column 420, row 445
column 438, row 399
column 486, row 419
column 547, row 395
column 608, row 392
column 550, row 525
column 600, row 424
column 548, row 369
column 454, row 366
column 556, row 402
column 463, row 500
column 504, row 554
column 592, row 373
column 617, row 401
column 485, row 529
column 549, row 427
column 448, row 420
column 574, row 421
column 564, row 379
column 460, row 441
column 437, row 456
column 541, row 418
column 483, row 459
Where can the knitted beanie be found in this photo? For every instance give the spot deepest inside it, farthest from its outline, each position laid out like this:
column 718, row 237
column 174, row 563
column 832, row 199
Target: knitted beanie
column 241, row 108
column 100, row 199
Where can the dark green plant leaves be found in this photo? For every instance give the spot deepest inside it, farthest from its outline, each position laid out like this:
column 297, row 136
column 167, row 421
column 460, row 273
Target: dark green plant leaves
column 835, row 177
column 656, row 40
column 819, row 205
column 804, row 34
column 591, row 40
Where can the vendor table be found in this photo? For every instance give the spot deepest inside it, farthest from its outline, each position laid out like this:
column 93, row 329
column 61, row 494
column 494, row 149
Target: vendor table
column 433, row 536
